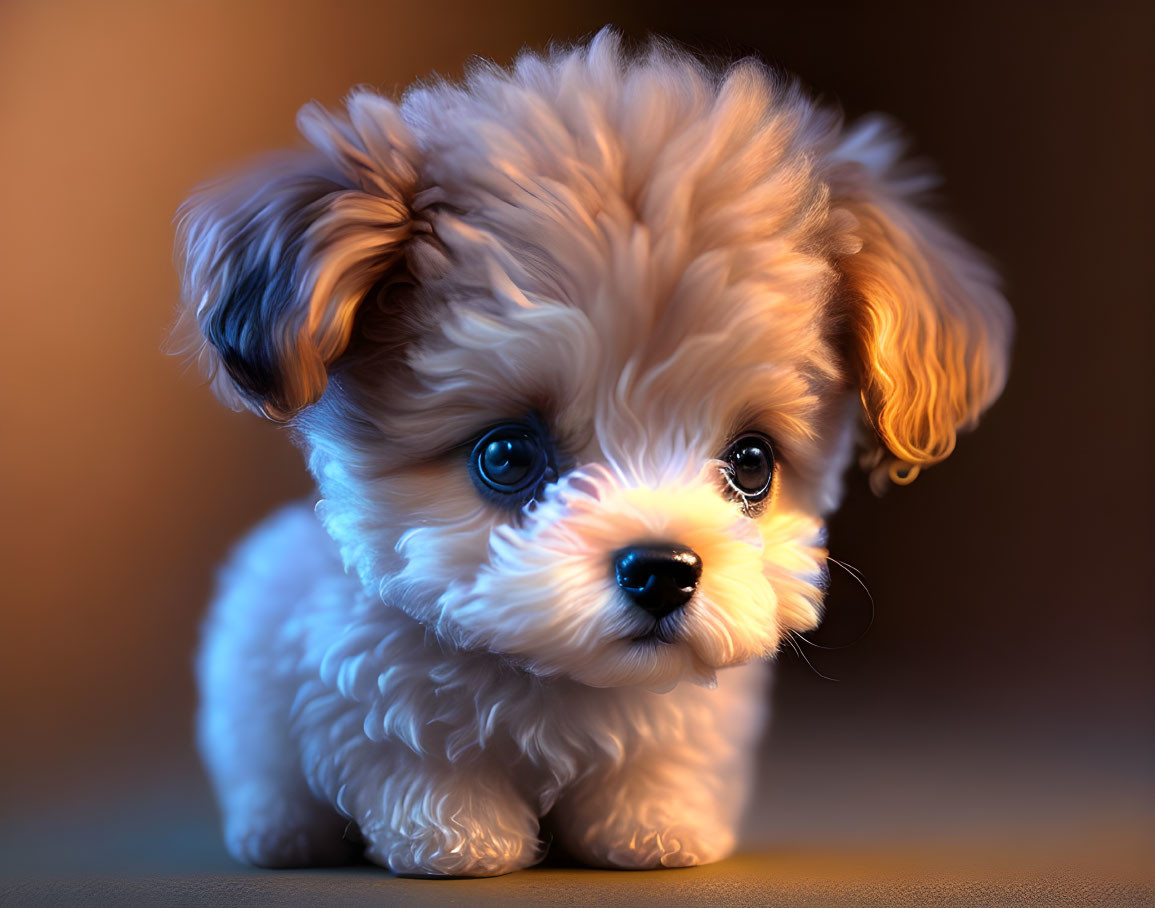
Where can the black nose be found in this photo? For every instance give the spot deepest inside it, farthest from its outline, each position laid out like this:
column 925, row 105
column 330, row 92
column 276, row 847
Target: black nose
column 658, row 578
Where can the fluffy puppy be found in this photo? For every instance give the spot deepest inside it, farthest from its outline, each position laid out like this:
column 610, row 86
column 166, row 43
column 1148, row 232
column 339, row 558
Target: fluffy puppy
column 577, row 352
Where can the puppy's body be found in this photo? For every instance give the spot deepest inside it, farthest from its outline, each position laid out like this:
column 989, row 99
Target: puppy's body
column 467, row 750
column 577, row 353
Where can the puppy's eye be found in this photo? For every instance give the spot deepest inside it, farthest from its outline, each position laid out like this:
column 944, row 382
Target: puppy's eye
column 749, row 467
column 509, row 462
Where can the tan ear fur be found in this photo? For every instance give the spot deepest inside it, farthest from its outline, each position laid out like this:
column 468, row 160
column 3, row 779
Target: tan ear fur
column 931, row 328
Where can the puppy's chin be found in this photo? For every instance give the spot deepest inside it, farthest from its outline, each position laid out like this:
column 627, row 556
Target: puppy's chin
column 681, row 647
column 655, row 661
column 649, row 663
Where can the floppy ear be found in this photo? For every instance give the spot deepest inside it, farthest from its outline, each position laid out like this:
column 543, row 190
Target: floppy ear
column 931, row 328
column 277, row 258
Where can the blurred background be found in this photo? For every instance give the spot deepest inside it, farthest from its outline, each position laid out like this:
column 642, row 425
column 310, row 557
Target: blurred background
column 1006, row 688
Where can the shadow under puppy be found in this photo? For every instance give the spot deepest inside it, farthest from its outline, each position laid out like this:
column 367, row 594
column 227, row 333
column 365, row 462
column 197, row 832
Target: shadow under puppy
column 578, row 352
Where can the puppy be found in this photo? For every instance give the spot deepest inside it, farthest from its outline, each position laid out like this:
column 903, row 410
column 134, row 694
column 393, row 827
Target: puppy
column 578, row 352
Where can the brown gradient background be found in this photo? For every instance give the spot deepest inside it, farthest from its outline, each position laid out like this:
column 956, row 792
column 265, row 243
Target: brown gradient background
column 1006, row 691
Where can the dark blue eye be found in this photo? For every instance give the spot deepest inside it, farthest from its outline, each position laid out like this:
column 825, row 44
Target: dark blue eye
column 512, row 461
column 750, row 467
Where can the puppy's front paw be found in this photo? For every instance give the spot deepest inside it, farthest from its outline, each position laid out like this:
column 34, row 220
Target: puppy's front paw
column 425, row 818
column 668, row 846
column 458, row 851
column 461, row 827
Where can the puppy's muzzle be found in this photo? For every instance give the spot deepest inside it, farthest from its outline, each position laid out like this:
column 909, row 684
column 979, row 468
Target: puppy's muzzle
column 658, row 578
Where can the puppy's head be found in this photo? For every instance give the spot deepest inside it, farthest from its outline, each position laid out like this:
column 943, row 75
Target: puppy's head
column 578, row 350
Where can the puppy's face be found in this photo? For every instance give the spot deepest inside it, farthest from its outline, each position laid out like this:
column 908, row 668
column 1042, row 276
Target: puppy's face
column 621, row 486
column 578, row 351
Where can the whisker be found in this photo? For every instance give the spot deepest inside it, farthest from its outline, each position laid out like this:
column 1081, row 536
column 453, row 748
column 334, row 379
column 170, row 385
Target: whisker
column 849, row 568
column 797, row 649
column 854, row 572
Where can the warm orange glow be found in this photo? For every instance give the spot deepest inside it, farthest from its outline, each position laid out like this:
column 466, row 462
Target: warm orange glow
column 932, row 333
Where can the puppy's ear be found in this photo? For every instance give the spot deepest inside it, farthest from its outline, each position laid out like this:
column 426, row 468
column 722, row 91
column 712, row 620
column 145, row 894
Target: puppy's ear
column 930, row 326
column 277, row 258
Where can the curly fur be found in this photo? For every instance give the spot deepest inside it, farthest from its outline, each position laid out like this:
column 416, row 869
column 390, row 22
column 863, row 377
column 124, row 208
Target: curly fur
column 649, row 257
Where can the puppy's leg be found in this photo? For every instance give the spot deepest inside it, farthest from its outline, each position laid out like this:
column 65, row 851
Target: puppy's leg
column 677, row 800
column 248, row 676
column 430, row 818
column 270, row 817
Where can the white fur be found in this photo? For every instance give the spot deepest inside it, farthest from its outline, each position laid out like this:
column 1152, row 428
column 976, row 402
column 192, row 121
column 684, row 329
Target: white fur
column 651, row 257
column 445, row 759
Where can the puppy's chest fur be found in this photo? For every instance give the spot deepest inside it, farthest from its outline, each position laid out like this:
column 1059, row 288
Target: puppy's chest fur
column 370, row 676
